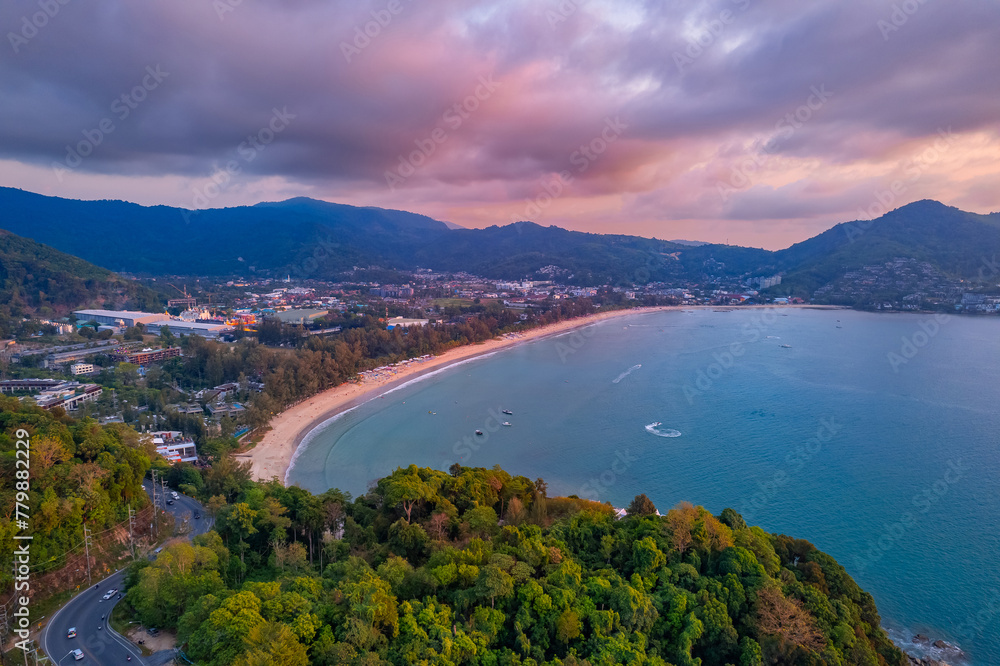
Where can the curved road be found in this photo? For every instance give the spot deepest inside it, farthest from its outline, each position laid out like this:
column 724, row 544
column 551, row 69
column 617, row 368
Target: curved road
column 103, row 645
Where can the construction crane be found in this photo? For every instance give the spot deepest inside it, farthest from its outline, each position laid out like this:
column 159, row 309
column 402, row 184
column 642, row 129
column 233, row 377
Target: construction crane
column 183, row 291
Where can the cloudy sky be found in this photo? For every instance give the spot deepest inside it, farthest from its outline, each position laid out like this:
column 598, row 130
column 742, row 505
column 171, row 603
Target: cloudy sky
column 757, row 123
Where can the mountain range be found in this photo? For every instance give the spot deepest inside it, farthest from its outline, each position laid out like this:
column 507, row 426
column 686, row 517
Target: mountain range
column 315, row 239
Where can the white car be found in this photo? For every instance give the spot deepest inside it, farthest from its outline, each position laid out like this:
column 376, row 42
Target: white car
column 110, row 593
column 77, row 654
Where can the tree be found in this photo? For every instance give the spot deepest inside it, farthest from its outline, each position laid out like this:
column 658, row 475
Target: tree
column 494, row 582
column 641, row 506
column 786, row 618
column 406, row 488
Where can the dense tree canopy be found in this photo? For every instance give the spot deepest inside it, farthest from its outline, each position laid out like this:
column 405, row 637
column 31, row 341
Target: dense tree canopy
column 476, row 566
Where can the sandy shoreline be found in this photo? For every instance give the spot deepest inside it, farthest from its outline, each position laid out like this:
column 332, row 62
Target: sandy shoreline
column 273, row 455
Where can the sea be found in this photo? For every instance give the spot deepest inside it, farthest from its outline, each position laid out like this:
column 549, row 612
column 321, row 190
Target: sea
column 875, row 436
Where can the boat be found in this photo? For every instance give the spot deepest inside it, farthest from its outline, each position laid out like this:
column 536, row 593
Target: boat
column 479, row 432
column 507, row 411
column 655, row 424
column 787, row 346
column 506, row 423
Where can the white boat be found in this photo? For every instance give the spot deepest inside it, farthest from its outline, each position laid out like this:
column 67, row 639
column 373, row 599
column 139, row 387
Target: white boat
column 506, row 423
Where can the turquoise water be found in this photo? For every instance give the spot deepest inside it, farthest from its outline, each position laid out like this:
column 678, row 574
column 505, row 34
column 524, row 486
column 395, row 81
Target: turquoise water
column 874, row 436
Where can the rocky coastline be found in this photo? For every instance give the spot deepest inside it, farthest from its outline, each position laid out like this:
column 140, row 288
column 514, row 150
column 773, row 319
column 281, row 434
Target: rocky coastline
column 947, row 650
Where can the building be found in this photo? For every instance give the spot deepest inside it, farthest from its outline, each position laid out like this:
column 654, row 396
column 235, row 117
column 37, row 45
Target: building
column 182, row 302
column 29, row 385
column 404, row 322
column 174, row 446
column 81, row 368
column 178, row 327
column 300, row 316
column 391, row 291
column 117, row 317
column 145, row 356
column 220, row 409
column 68, row 395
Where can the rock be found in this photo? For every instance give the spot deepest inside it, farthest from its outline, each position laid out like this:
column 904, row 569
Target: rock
column 920, row 638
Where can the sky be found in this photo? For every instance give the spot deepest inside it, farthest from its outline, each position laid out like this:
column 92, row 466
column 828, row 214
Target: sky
column 741, row 121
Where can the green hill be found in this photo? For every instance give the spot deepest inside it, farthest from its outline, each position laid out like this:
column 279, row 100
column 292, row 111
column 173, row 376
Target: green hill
column 36, row 279
column 421, row 570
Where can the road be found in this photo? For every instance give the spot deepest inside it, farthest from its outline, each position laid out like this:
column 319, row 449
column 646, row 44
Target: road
column 84, row 611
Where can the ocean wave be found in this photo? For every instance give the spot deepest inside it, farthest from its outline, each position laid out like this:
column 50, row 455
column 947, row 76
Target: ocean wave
column 626, row 373
column 654, row 429
column 309, row 436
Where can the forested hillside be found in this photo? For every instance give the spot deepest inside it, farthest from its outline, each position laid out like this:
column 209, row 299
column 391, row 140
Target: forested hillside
column 36, row 279
column 80, row 472
column 422, row 570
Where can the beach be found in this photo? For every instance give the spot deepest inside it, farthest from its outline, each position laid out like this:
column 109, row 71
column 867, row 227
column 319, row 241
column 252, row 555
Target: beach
column 273, row 454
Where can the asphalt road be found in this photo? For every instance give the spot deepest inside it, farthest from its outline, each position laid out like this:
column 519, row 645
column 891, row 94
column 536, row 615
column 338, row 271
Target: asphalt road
column 103, row 646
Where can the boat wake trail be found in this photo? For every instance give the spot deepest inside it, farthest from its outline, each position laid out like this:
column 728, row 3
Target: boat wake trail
column 626, row 373
column 654, row 429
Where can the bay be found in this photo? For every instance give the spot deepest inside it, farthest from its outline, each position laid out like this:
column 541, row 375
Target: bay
column 874, row 436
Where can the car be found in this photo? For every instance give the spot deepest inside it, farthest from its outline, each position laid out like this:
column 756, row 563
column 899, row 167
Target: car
column 197, row 515
column 175, row 495
column 170, row 501
column 71, row 633
column 77, row 654
column 110, row 593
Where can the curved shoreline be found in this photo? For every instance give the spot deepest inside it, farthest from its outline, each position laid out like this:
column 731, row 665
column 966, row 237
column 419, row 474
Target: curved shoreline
column 273, row 455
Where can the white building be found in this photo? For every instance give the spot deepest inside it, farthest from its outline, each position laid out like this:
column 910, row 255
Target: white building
column 123, row 318
column 404, row 323
column 179, row 327
column 174, row 446
column 81, row 368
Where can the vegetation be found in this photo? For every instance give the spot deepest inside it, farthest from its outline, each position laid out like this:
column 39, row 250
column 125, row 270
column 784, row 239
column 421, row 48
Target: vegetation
column 422, row 570
column 80, row 473
column 35, row 279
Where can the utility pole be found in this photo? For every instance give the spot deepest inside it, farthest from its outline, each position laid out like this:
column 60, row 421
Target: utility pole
column 131, row 528
column 86, row 548
column 156, row 528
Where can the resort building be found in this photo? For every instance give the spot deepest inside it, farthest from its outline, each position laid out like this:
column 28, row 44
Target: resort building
column 174, row 446
column 81, row 368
